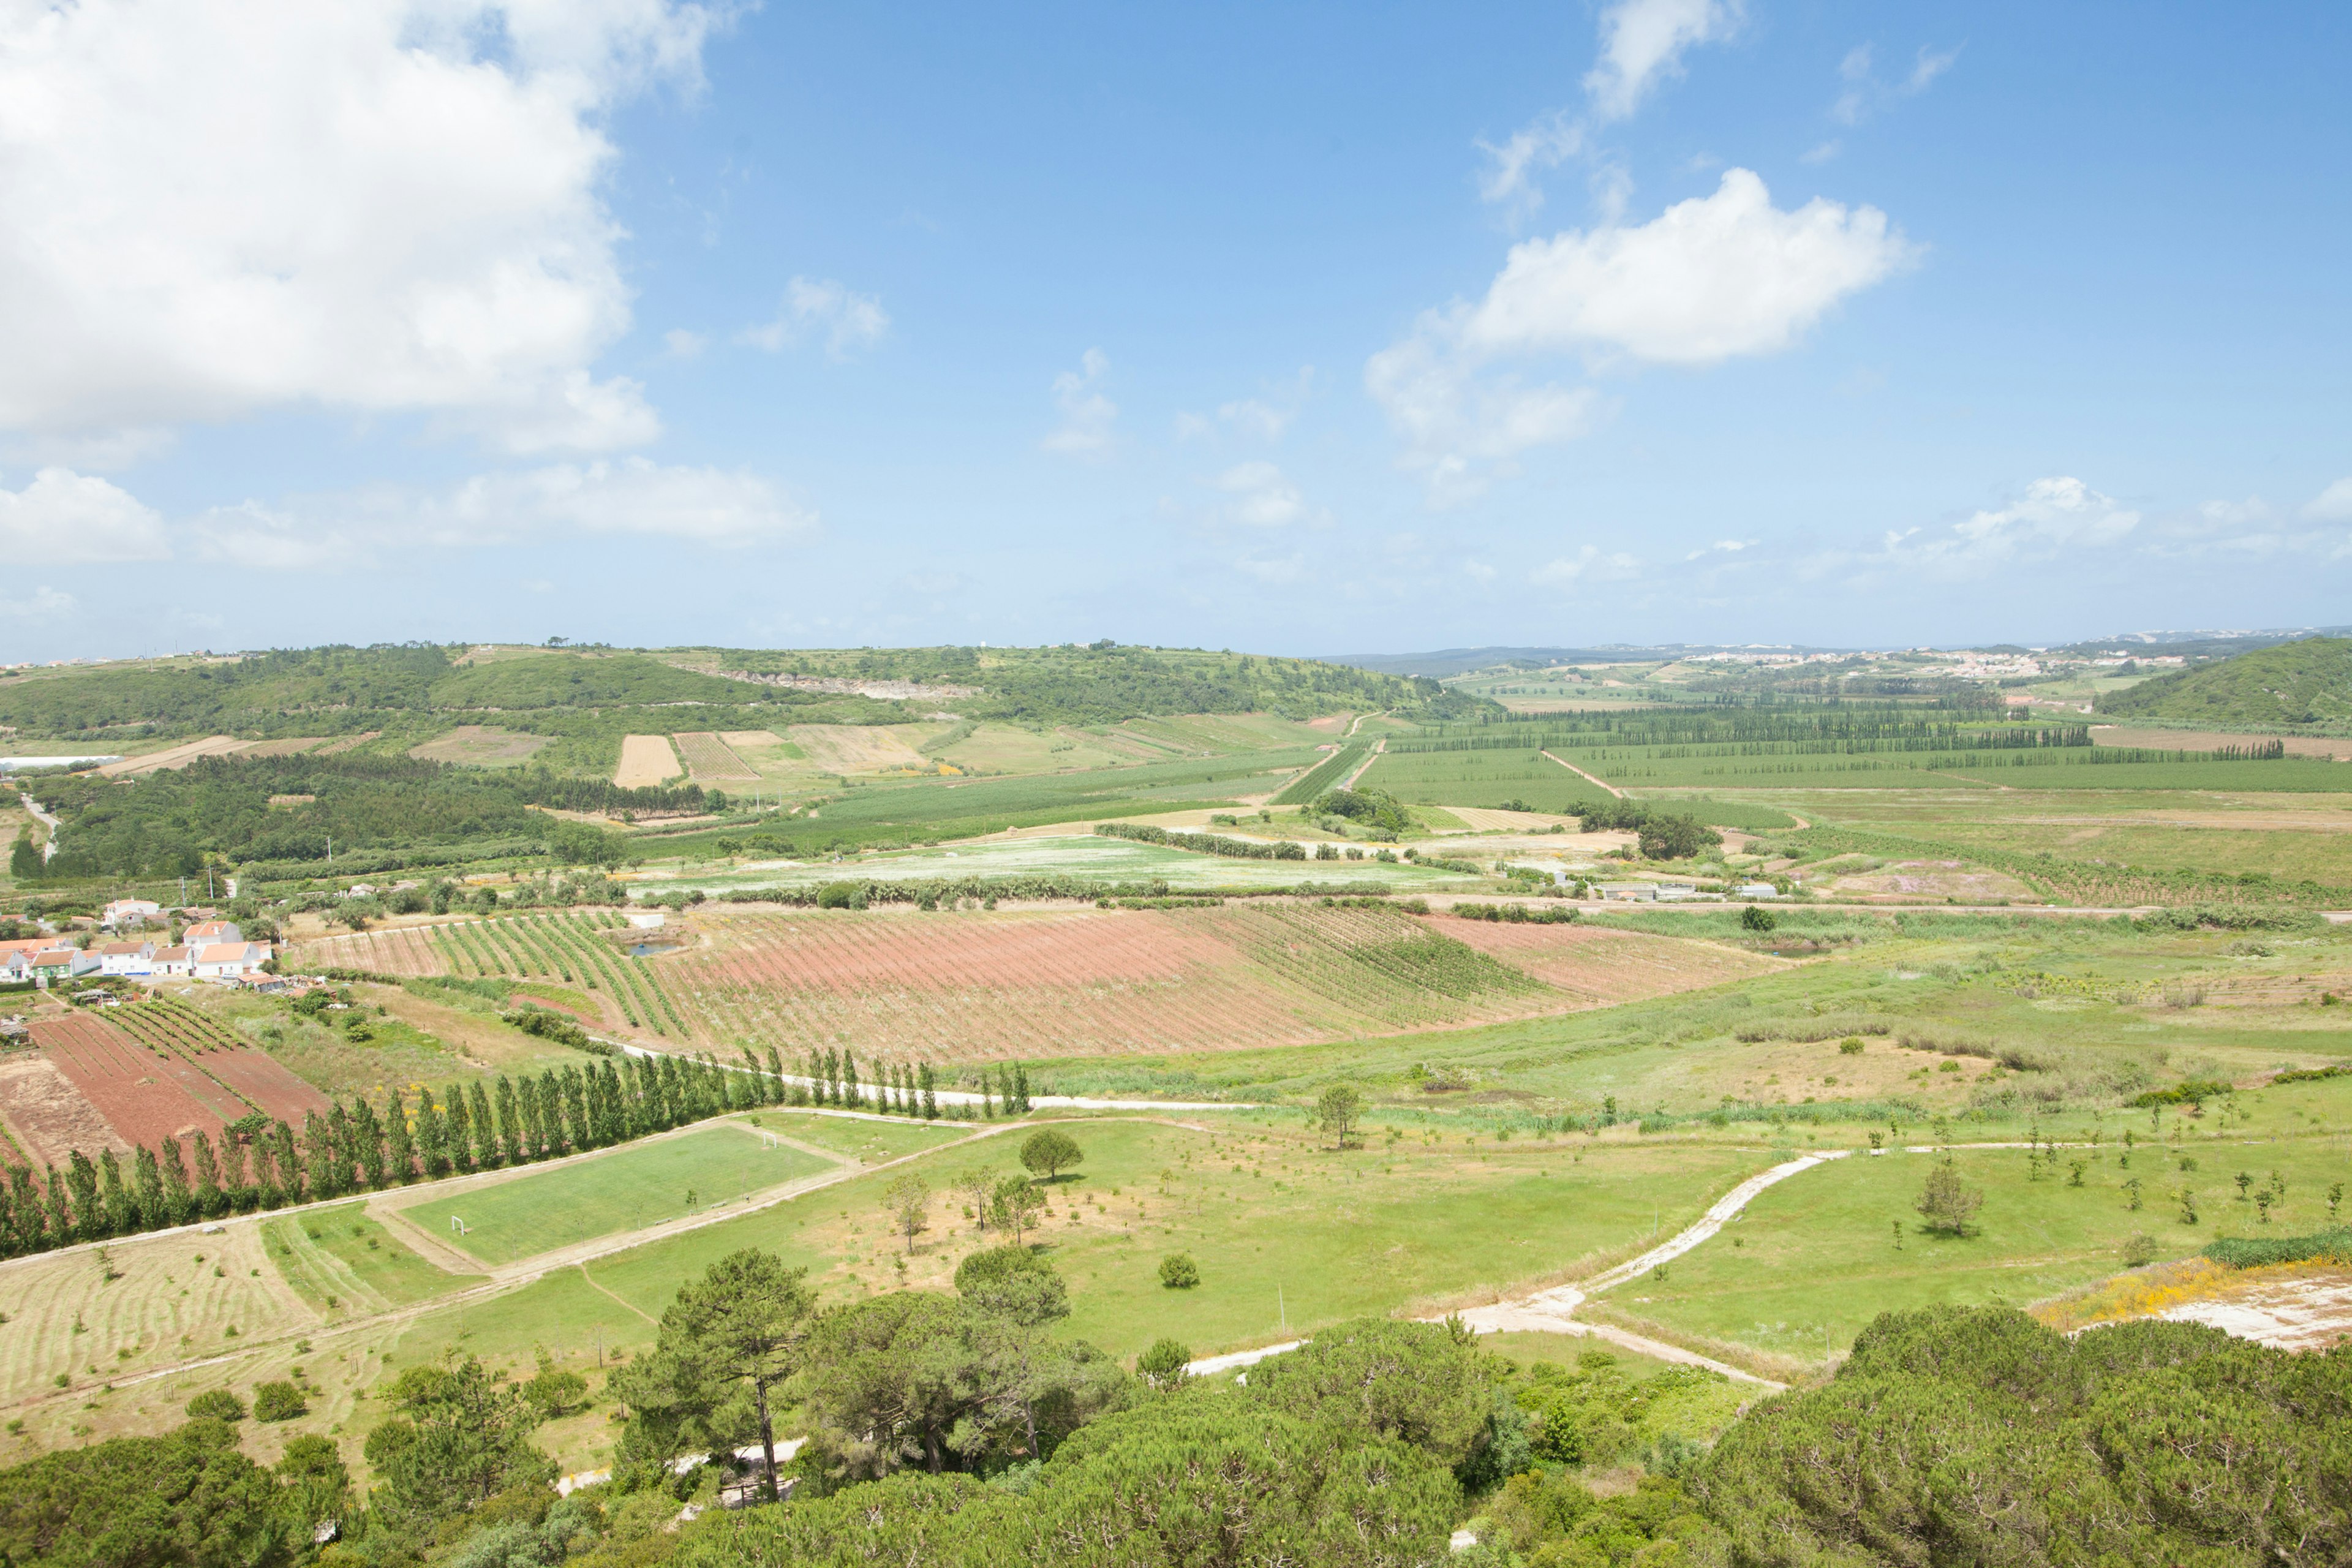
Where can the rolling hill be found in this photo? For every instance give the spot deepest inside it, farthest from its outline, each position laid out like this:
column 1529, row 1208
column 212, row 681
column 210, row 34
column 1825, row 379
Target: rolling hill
column 2304, row 685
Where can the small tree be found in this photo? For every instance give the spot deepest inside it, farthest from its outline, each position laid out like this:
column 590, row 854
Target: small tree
column 909, row 1199
column 1049, row 1152
column 278, row 1402
column 1162, row 1366
column 217, row 1405
column 1179, row 1272
column 1016, row 1203
column 978, row 1185
column 1945, row 1203
column 1338, row 1111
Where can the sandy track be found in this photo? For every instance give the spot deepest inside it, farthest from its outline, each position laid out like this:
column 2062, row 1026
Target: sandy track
column 1588, row 778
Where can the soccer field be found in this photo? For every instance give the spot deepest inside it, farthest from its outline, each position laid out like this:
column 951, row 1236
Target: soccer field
column 717, row 1165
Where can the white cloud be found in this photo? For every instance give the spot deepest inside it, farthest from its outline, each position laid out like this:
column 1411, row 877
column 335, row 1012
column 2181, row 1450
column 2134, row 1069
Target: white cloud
column 822, row 307
column 46, row 603
column 1448, row 414
column 1258, row 419
column 1479, row 572
column 1545, row 142
column 1279, row 571
column 62, row 518
column 1854, row 71
column 681, row 343
column 1086, row 414
column 2333, row 504
column 1589, row 564
column 1723, row 547
column 2054, row 515
column 1708, row 279
column 629, row 497
column 1643, row 41
column 381, row 206
column 1264, row 497
column 1864, row 94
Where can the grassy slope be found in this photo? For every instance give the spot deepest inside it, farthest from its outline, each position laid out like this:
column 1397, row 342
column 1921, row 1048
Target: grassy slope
column 2305, row 684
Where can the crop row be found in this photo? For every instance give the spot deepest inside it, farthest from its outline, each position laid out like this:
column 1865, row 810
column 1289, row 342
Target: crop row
column 1322, row 776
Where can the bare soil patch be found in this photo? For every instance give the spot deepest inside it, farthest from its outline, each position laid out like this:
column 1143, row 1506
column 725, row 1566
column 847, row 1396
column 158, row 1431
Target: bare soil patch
column 288, row 746
column 2336, row 747
column 1609, row 965
column 141, row 1095
column 479, row 746
column 407, row 952
column 1933, row 880
column 48, row 1116
column 1484, row 819
column 178, row 756
column 266, row 1084
column 645, row 761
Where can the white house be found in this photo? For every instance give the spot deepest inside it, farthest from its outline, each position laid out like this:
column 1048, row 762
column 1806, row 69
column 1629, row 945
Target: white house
column 128, row 912
column 204, row 932
column 136, row 959
column 226, row 960
column 62, row 963
column 169, row 963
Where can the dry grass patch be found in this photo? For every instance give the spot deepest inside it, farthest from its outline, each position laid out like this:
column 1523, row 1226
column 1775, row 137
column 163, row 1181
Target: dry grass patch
column 647, row 761
column 863, row 748
column 479, row 746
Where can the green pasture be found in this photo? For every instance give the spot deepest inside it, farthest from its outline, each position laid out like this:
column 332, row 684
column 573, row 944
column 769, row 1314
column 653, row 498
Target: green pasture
column 339, row 1259
column 1483, row 778
column 1816, row 1255
column 639, row 1185
column 1730, row 766
column 869, row 1141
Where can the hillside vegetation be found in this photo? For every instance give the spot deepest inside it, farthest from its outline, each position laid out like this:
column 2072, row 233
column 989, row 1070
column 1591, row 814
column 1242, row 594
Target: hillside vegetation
column 2303, row 685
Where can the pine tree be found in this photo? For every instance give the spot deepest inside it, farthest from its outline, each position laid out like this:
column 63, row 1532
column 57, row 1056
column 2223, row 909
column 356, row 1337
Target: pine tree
column 400, row 1141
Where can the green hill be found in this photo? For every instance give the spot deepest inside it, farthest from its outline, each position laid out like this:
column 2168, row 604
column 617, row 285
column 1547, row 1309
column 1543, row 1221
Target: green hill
column 2297, row 684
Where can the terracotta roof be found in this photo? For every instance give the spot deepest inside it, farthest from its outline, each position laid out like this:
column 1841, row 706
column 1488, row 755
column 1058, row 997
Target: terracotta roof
column 171, row 955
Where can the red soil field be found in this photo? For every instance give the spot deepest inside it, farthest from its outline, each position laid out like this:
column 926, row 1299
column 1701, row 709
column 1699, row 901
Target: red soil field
column 1608, row 965
column 266, row 1084
column 48, row 1116
column 140, row 1096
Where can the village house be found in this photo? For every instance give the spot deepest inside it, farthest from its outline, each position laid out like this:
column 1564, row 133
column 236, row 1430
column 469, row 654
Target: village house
column 135, row 959
column 61, row 964
column 130, row 912
column 204, row 932
column 169, row 963
column 226, row 960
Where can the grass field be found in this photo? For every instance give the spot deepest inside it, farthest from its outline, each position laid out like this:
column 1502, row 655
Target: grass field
column 868, row 1141
column 657, row 1180
column 1486, row 778
column 339, row 1260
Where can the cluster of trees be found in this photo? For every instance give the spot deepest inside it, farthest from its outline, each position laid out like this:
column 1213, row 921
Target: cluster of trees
column 263, row 1164
column 218, row 810
column 1205, row 843
column 897, row 1088
column 1371, row 808
column 1664, row 835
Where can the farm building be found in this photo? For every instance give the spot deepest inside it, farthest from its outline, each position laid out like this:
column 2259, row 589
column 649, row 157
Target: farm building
column 204, row 932
column 132, row 912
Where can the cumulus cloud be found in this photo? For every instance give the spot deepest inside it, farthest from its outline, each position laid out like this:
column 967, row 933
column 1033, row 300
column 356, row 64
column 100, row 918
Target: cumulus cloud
column 63, row 519
column 1710, row 279
column 381, row 206
column 727, row 509
column 1545, row 142
column 1086, row 414
column 821, row 307
column 44, row 603
column 2054, row 515
column 1264, row 497
column 1642, row 41
column 1589, row 564
column 2333, row 504
column 1707, row 279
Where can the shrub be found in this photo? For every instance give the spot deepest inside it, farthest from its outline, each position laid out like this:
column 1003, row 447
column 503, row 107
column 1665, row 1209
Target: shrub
column 1850, row 1046
column 217, row 1405
column 1179, row 1272
column 278, row 1402
column 1162, row 1366
column 1755, row 917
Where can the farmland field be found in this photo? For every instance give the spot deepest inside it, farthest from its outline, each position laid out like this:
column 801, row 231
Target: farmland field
column 645, row 761
column 339, row 1260
column 47, row 1118
column 481, row 746
column 709, row 759
column 1486, row 778
column 402, row 951
column 657, row 1180
column 144, row 1097
column 863, row 748
column 978, row 985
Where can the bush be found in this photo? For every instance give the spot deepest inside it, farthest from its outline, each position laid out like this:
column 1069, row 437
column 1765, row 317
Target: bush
column 1850, row 1046
column 217, row 1405
column 1179, row 1272
column 278, row 1402
column 1162, row 1366
column 1757, row 918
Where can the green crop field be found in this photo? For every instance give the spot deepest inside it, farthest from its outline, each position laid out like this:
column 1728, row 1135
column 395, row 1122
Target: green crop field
column 339, row 1260
column 1481, row 778
column 588, row 1198
column 865, row 1139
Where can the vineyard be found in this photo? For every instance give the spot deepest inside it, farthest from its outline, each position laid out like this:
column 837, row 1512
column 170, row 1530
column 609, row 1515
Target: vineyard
column 1323, row 775
column 710, row 760
column 174, row 1029
column 407, row 953
column 980, row 986
column 568, row 946
column 1603, row 966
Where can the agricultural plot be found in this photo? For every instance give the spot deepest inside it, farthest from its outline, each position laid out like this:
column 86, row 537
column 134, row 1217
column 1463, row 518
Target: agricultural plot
column 1086, row 983
column 863, row 748
column 197, row 1047
column 710, row 760
column 1480, row 778
column 569, row 947
column 339, row 1260
column 637, row 1186
column 481, row 746
column 1010, row 748
column 645, row 761
column 46, row 1117
column 144, row 1097
column 1610, row 966
column 405, row 951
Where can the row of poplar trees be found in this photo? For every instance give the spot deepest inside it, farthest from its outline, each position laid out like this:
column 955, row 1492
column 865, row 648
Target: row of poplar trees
column 263, row 1164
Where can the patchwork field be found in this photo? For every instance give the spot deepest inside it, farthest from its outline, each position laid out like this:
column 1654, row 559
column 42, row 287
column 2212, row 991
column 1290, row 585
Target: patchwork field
column 481, row 746
column 658, row 1180
column 1482, row 778
column 863, row 748
column 144, row 1097
column 981, row 985
column 710, row 760
column 645, row 761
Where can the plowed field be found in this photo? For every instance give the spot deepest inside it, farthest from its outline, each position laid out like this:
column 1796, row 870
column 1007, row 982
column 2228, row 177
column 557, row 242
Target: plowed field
column 1066, row 983
column 48, row 1116
column 708, row 757
column 1610, row 965
column 144, row 1097
column 266, row 1084
column 408, row 952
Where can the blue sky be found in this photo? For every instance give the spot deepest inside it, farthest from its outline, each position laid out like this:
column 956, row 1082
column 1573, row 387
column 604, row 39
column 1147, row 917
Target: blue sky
column 1303, row 329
